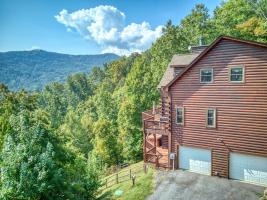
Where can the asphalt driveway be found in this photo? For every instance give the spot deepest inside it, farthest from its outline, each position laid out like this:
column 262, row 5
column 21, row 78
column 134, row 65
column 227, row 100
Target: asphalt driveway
column 183, row 185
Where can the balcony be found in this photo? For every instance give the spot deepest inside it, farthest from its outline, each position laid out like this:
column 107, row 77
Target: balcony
column 156, row 130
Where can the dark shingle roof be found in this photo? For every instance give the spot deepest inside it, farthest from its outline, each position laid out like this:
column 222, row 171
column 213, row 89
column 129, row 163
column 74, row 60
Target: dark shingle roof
column 167, row 77
column 178, row 60
column 182, row 59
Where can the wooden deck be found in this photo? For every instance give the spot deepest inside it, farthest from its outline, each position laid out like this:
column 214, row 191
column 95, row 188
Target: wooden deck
column 156, row 134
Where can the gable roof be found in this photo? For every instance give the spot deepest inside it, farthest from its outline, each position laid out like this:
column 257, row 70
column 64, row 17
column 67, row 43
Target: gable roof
column 178, row 60
column 203, row 53
column 182, row 59
column 168, row 75
column 198, row 49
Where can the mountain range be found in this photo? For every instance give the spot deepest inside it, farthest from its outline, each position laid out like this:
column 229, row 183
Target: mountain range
column 32, row 70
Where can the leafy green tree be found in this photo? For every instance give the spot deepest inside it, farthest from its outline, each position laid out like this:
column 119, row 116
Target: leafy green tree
column 96, row 76
column 82, row 178
column 11, row 103
column 29, row 168
column 196, row 25
column 130, row 136
column 54, row 100
column 242, row 18
column 77, row 131
column 78, row 87
column 37, row 165
column 106, row 145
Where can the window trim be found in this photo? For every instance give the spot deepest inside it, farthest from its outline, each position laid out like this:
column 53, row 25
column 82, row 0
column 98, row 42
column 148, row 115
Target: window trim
column 243, row 74
column 179, row 107
column 214, row 116
column 211, row 75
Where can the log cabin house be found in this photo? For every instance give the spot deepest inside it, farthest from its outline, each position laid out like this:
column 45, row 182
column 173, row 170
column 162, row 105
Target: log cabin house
column 213, row 114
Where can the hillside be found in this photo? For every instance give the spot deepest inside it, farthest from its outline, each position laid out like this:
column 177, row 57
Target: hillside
column 124, row 189
column 32, row 70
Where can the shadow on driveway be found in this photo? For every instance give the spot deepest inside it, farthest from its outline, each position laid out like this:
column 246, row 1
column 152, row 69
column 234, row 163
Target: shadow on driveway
column 183, row 185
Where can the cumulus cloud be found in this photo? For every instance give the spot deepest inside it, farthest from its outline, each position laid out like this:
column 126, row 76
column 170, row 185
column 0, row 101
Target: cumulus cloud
column 106, row 26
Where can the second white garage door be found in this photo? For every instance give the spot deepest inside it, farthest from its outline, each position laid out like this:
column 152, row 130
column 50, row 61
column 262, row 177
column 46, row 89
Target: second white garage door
column 195, row 159
column 248, row 168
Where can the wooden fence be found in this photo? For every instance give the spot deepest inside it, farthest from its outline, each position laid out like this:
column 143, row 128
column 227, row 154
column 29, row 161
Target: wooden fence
column 122, row 176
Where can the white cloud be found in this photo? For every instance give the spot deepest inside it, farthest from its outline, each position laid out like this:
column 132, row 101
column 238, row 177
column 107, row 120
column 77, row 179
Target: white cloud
column 33, row 48
column 140, row 35
column 106, row 26
column 120, row 51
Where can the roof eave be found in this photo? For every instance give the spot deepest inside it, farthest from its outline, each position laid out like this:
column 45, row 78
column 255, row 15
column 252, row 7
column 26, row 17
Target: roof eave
column 177, row 65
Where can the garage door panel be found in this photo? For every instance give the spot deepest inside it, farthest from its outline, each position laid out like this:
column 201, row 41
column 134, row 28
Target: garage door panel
column 248, row 168
column 195, row 159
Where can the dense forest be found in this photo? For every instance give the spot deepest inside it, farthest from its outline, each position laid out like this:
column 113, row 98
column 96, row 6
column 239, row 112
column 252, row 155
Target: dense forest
column 54, row 144
column 32, row 70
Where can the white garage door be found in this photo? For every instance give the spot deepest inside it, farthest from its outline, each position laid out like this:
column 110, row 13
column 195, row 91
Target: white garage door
column 248, row 168
column 195, row 159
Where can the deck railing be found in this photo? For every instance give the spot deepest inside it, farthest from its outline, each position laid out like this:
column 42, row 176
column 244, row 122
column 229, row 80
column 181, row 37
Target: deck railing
column 155, row 124
column 150, row 114
column 161, row 125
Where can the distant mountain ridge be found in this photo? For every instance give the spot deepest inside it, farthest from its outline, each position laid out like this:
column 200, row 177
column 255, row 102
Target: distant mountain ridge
column 32, row 70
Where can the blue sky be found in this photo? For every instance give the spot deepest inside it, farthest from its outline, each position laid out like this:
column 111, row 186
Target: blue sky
column 88, row 26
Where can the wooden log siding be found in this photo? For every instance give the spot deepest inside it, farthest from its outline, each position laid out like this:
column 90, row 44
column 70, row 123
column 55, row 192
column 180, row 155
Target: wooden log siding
column 241, row 107
column 165, row 142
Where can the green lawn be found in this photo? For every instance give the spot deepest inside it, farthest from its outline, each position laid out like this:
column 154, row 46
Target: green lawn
column 144, row 186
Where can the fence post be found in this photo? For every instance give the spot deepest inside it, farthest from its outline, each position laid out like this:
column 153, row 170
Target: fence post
column 130, row 173
column 117, row 178
column 145, row 168
column 133, row 179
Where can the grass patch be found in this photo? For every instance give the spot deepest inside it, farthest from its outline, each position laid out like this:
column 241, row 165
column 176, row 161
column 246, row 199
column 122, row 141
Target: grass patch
column 259, row 195
column 126, row 169
column 144, row 185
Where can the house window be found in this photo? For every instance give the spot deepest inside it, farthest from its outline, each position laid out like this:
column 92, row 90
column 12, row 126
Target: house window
column 211, row 117
column 237, row 74
column 180, row 115
column 206, row 75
